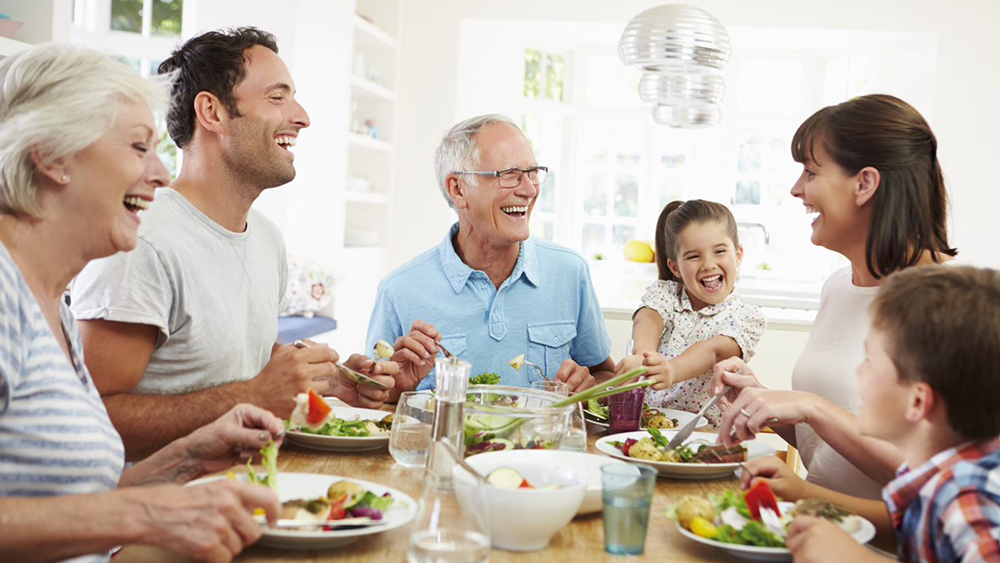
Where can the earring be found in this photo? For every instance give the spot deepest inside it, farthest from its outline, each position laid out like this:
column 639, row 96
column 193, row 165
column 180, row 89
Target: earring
column 65, row 179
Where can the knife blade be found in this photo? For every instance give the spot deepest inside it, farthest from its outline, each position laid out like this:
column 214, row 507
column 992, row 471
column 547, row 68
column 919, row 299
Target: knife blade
column 685, row 432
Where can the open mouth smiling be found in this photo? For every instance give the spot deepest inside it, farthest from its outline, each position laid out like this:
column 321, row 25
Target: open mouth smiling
column 135, row 204
column 285, row 141
column 515, row 210
column 712, row 283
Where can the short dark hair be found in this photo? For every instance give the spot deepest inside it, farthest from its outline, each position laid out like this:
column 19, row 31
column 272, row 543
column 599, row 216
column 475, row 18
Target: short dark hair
column 910, row 207
column 213, row 62
column 675, row 217
column 943, row 328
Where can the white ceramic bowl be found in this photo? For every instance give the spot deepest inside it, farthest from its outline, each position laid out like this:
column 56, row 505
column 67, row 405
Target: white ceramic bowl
column 585, row 465
column 525, row 519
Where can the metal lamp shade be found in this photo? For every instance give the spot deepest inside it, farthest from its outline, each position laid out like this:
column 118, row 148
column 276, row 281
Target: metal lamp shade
column 681, row 50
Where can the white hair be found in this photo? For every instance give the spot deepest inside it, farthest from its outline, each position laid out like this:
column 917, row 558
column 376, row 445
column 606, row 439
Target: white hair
column 458, row 151
column 56, row 100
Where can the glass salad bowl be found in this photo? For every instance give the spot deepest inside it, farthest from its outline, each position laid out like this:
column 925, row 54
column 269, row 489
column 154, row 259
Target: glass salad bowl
column 501, row 418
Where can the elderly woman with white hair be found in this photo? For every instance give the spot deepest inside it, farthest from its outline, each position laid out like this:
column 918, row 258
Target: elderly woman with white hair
column 77, row 164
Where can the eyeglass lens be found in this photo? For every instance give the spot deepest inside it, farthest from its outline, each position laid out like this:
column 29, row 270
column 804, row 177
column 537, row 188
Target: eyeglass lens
column 511, row 178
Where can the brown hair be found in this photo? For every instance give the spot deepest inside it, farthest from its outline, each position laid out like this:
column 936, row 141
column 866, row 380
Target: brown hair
column 213, row 62
column 943, row 328
column 909, row 213
column 675, row 217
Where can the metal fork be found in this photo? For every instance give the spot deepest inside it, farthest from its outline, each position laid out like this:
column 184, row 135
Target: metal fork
column 771, row 520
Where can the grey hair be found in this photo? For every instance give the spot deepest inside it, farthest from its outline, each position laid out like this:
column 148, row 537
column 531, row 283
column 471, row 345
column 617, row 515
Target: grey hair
column 458, row 151
column 57, row 100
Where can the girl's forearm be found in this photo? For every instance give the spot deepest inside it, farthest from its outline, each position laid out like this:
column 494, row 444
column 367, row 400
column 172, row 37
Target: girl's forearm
column 701, row 356
column 50, row 529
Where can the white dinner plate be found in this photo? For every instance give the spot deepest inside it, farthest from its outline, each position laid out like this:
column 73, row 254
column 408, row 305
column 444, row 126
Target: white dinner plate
column 683, row 417
column 862, row 535
column 293, row 486
column 342, row 443
column 755, row 449
column 585, row 465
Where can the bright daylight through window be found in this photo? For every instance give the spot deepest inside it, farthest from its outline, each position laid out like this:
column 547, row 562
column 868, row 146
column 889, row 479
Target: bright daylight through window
column 612, row 169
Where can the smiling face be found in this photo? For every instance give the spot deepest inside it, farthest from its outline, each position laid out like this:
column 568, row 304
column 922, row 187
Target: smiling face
column 499, row 216
column 260, row 141
column 829, row 193
column 707, row 262
column 113, row 179
column 885, row 398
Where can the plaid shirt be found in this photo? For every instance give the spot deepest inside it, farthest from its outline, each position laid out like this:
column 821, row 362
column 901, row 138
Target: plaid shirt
column 948, row 509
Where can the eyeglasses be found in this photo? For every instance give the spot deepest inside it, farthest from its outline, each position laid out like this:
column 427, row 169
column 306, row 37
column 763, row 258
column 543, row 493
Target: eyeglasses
column 511, row 178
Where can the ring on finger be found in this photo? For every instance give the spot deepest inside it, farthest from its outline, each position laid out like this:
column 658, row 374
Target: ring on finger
column 745, row 413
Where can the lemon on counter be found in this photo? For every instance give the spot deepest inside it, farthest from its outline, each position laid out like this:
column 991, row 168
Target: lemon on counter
column 638, row 251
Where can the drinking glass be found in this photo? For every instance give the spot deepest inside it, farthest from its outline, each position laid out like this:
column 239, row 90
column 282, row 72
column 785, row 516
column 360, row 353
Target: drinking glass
column 576, row 435
column 410, row 436
column 625, row 411
column 627, row 491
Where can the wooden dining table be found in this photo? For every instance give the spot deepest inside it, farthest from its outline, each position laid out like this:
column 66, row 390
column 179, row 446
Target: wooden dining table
column 581, row 540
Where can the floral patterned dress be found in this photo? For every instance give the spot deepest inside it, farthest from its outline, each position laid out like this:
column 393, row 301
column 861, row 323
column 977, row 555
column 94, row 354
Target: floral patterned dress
column 683, row 326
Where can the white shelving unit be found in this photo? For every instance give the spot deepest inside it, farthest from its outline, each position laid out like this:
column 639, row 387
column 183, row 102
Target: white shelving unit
column 370, row 152
column 44, row 21
column 9, row 47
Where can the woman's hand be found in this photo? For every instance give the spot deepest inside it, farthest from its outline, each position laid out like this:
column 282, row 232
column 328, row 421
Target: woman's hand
column 211, row 522
column 233, row 438
column 777, row 475
column 756, row 408
column 735, row 373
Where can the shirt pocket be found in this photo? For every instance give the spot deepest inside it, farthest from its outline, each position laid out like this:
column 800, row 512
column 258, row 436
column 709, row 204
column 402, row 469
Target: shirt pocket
column 549, row 344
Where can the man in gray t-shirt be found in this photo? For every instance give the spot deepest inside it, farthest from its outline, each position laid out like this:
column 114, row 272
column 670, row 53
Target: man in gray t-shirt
column 183, row 328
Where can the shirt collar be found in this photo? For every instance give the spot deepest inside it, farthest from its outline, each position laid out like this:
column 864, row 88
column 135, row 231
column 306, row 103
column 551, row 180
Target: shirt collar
column 906, row 487
column 458, row 272
column 683, row 303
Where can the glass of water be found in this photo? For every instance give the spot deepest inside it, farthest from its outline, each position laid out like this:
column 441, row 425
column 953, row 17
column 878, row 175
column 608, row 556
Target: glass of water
column 576, row 435
column 627, row 491
column 410, row 436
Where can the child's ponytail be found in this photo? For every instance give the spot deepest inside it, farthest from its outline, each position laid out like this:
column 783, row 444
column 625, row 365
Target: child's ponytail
column 665, row 242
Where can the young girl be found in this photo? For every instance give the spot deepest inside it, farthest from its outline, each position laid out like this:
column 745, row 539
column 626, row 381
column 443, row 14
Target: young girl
column 692, row 317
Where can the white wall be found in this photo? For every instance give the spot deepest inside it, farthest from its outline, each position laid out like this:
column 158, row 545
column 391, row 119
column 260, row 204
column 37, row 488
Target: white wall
column 965, row 116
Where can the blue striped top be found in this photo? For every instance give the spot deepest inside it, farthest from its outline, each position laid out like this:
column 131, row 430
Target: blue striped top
column 55, row 434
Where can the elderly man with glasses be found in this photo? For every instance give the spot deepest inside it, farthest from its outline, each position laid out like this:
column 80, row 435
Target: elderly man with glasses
column 489, row 292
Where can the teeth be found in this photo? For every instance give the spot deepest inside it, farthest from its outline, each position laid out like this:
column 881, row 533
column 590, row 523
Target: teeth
column 286, row 141
column 136, row 202
column 515, row 209
column 717, row 277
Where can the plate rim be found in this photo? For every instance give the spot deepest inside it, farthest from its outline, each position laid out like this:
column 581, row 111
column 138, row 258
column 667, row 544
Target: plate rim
column 604, row 447
column 319, row 535
column 742, row 550
column 302, row 438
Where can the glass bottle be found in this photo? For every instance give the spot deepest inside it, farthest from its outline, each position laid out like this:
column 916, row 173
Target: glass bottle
column 451, row 524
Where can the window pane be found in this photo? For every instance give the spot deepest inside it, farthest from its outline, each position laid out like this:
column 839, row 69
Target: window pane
column 620, row 234
column 593, row 239
column 546, row 136
column 555, row 77
column 671, row 189
column 544, row 230
column 626, row 195
column 132, row 62
column 167, row 17
column 595, row 199
column 154, row 66
column 534, row 74
column 126, row 15
column 167, row 151
column 747, row 191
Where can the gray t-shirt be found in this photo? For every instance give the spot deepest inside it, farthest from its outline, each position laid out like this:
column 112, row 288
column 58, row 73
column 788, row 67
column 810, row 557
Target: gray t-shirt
column 213, row 294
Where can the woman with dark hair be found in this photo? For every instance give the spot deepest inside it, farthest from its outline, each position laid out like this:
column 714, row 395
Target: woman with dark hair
column 872, row 178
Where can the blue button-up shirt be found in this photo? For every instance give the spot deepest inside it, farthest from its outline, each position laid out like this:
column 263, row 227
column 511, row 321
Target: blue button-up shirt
column 547, row 310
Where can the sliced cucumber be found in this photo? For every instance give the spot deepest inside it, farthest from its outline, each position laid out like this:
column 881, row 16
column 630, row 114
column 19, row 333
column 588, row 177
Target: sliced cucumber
column 505, row 478
column 507, row 444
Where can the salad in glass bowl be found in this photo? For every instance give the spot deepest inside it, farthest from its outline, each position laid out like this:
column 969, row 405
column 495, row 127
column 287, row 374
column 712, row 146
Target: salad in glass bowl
column 501, row 418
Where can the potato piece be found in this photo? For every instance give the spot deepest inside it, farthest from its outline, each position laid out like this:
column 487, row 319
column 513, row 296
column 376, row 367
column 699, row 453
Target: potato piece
column 645, row 449
column 691, row 507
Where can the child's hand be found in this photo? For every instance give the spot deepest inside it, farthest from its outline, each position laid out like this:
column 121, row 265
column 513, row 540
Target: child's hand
column 815, row 540
column 777, row 475
column 660, row 369
column 628, row 364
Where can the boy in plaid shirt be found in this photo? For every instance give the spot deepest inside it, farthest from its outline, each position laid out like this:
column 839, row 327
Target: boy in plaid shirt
column 930, row 384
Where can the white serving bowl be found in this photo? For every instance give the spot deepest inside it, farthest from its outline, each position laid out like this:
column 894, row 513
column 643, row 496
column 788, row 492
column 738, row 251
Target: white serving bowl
column 525, row 519
column 585, row 465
